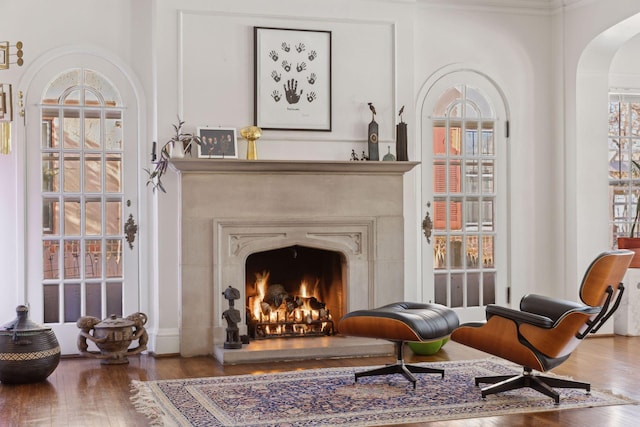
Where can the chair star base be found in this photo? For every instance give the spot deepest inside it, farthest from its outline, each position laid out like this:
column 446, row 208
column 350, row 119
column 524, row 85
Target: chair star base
column 542, row 384
column 401, row 368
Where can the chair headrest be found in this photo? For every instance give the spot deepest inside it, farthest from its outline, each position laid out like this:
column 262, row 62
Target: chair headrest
column 608, row 269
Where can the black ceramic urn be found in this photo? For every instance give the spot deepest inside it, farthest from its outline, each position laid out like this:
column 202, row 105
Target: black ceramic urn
column 29, row 352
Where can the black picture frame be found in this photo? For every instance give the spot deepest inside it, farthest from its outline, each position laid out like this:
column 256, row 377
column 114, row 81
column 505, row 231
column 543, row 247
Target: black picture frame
column 292, row 79
column 217, row 143
column 6, row 102
column 4, row 55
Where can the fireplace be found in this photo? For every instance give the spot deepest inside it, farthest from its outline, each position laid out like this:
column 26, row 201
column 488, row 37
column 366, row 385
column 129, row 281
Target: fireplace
column 237, row 215
column 331, row 256
column 296, row 291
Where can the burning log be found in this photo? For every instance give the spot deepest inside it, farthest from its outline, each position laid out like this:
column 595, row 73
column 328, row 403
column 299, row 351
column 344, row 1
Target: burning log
column 310, row 302
column 291, row 304
column 275, row 295
column 265, row 308
column 315, row 304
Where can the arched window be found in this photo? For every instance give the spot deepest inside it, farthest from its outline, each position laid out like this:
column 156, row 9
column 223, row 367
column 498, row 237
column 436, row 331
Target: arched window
column 464, row 176
column 82, row 197
column 624, row 164
column 464, row 192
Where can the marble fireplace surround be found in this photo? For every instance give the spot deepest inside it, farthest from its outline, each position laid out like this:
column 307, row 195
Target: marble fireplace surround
column 232, row 208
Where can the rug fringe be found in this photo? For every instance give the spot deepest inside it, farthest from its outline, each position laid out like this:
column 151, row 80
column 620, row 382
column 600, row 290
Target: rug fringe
column 621, row 397
column 144, row 402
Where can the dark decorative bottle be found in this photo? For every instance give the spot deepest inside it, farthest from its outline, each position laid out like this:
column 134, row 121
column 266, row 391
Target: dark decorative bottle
column 401, row 142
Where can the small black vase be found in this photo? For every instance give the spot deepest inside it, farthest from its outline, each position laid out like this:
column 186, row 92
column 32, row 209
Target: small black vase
column 29, row 352
column 401, row 142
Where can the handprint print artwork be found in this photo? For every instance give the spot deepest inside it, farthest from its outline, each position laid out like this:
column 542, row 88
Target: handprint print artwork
column 290, row 91
column 312, row 78
column 293, row 79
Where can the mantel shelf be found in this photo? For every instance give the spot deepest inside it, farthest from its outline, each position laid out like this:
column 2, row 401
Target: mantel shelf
column 195, row 165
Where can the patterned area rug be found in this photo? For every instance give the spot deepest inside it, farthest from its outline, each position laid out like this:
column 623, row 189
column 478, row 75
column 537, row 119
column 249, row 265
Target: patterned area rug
column 330, row 397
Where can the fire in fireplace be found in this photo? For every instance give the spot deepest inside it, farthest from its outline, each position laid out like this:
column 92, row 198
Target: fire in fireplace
column 295, row 291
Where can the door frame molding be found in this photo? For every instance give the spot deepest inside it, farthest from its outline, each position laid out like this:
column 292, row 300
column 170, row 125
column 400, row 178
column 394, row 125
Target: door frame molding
column 107, row 60
column 426, row 94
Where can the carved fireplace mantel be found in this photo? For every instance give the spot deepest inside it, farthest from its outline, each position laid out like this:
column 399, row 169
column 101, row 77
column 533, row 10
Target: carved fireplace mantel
column 231, row 209
column 291, row 166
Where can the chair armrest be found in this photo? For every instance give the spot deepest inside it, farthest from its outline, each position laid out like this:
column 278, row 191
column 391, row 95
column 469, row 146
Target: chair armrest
column 519, row 316
column 552, row 308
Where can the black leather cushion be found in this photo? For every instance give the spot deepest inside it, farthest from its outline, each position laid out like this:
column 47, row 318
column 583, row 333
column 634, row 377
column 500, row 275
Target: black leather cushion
column 553, row 308
column 427, row 321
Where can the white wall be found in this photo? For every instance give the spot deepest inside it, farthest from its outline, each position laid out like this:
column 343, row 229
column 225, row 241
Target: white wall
column 624, row 72
column 42, row 26
column 372, row 62
column 589, row 48
column 533, row 56
column 513, row 50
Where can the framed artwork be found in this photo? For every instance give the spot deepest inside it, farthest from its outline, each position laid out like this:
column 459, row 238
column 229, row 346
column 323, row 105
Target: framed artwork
column 6, row 101
column 218, row 143
column 292, row 79
column 4, row 56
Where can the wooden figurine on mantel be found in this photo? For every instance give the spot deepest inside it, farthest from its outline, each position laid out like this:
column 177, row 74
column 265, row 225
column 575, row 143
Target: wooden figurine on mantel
column 373, row 135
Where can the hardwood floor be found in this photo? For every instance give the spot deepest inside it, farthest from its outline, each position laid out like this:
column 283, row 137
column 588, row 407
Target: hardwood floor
column 81, row 392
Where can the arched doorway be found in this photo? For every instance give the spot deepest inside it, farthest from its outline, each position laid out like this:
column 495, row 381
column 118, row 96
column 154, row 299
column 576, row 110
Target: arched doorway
column 586, row 154
column 81, row 170
column 464, row 192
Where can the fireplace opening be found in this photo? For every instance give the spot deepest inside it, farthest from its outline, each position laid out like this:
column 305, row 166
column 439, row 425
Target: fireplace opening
column 296, row 291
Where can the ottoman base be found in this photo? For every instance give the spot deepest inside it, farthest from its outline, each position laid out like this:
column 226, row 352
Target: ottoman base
column 401, row 368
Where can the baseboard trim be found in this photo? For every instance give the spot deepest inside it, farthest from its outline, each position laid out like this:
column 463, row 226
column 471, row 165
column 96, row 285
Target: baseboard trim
column 161, row 356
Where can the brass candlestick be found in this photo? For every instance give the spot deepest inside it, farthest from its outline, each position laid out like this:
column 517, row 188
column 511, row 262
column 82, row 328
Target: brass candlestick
column 251, row 134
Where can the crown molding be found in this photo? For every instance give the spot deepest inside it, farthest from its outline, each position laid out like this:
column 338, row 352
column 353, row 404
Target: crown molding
column 520, row 6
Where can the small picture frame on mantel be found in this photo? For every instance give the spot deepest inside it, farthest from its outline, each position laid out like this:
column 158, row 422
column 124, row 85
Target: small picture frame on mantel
column 217, row 143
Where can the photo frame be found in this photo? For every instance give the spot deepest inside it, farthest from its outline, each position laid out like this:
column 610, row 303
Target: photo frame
column 217, row 143
column 6, row 103
column 4, row 55
column 292, row 79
